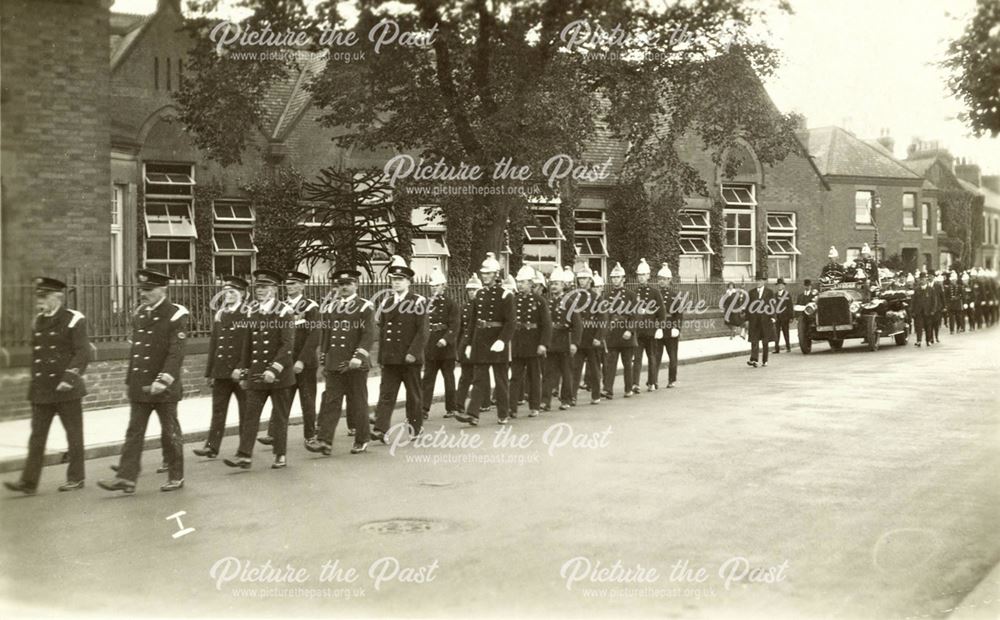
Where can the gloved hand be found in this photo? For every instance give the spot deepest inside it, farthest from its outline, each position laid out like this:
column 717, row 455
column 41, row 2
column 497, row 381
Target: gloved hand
column 65, row 387
column 237, row 374
column 410, row 358
column 269, row 376
column 298, row 367
column 441, row 343
column 468, row 351
column 626, row 335
column 497, row 346
column 596, row 342
column 541, row 349
column 354, row 364
column 674, row 332
column 157, row 388
column 572, row 349
column 659, row 334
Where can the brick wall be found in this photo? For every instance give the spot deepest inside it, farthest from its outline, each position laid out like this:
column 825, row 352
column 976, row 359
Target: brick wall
column 55, row 136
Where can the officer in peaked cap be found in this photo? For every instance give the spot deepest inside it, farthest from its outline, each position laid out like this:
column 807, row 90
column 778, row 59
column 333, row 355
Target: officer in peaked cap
column 402, row 321
column 492, row 321
column 649, row 331
column 530, row 343
column 159, row 331
column 305, row 313
column 265, row 368
column 472, row 288
column 225, row 345
column 347, row 335
column 60, row 352
column 444, row 322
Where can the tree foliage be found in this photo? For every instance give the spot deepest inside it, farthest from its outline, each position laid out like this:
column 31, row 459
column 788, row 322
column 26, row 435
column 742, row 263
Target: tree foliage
column 973, row 61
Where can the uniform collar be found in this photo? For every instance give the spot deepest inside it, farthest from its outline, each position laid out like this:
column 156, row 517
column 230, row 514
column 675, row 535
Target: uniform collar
column 156, row 305
column 49, row 315
column 347, row 299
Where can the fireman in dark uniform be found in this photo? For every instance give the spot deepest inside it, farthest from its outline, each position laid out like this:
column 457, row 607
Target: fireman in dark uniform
column 621, row 338
column 584, row 300
column 566, row 333
column 346, row 342
column 529, row 344
column 265, row 367
column 402, row 323
column 305, row 313
column 956, row 302
column 833, row 271
column 472, row 287
column 443, row 325
column 784, row 318
column 649, row 331
column 225, row 347
column 491, row 326
column 60, row 352
column 159, row 330
column 673, row 303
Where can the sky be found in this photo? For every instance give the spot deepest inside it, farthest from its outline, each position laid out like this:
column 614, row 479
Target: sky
column 865, row 65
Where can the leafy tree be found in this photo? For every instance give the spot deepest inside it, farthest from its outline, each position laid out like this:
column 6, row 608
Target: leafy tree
column 973, row 60
column 513, row 80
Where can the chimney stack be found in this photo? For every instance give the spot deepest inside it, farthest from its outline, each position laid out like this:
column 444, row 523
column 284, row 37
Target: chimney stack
column 968, row 171
column 886, row 141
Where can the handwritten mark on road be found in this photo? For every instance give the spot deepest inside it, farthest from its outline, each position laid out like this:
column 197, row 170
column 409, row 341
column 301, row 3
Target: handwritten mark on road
column 184, row 531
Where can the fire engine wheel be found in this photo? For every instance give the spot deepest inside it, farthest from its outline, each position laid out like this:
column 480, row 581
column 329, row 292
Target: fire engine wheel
column 872, row 334
column 805, row 343
column 836, row 343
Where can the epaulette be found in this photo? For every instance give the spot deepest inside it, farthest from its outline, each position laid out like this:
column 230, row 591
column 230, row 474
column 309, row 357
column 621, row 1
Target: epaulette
column 77, row 317
column 179, row 312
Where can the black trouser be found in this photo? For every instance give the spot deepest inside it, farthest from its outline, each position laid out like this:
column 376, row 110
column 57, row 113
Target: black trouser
column 447, row 368
column 558, row 372
column 222, row 391
column 956, row 319
column 590, row 356
column 392, row 376
column 281, row 403
column 924, row 324
column 526, row 370
column 611, row 368
column 936, row 327
column 970, row 316
column 464, row 385
column 650, row 346
column 669, row 345
column 305, row 385
column 781, row 328
column 171, row 439
column 70, row 413
column 352, row 384
column 759, row 337
column 481, row 389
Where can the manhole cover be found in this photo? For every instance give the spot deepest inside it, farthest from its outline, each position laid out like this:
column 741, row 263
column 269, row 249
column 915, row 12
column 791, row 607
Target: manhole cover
column 402, row 526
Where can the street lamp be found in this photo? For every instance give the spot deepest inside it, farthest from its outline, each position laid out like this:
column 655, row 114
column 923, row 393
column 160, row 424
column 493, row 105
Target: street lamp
column 873, row 207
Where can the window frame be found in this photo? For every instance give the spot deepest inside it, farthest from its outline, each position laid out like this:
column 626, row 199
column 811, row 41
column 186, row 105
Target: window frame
column 870, row 222
column 752, row 245
column 915, row 225
column 189, row 231
column 234, row 221
column 736, row 202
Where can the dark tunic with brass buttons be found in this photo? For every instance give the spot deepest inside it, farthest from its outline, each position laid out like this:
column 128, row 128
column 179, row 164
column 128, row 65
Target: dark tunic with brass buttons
column 621, row 318
column 268, row 346
column 349, row 331
column 462, row 330
column 225, row 346
column 157, row 352
column 444, row 321
column 652, row 311
column 492, row 317
column 402, row 329
column 60, row 352
column 534, row 325
column 566, row 326
column 305, row 314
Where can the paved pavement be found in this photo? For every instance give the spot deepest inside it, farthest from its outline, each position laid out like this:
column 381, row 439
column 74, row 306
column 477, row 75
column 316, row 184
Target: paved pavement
column 104, row 429
column 838, row 485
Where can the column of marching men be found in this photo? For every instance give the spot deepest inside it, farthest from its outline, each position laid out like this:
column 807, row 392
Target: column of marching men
column 515, row 340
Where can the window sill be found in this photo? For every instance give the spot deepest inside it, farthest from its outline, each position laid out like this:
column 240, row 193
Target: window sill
column 911, row 229
column 863, row 226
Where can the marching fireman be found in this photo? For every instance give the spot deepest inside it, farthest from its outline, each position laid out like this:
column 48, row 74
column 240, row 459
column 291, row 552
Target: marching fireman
column 621, row 340
column 650, row 315
column 444, row 322
column 567, row 329
column 472, row 288
column 402, row 323
column 346, row 338
column 61, row 351
column 673, row 302
column 265, row 367
column 154, row 382
column 487, row 337
column 584, row 300
column 225, row 346
column 530, row 343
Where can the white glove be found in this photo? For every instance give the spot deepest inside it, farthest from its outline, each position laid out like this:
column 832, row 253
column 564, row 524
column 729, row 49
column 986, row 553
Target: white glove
column 157, row 388
column 626, row 335
column 237, row 374
column 269, row 376
column 298, row 367
column 658, row 335
column 442, row 343
column 354, row 364
column 674, row 332
column 410, row 358
column 572, row 349
column 497, row 346
column 63, row 387
column 541, row 349
column 468, row 351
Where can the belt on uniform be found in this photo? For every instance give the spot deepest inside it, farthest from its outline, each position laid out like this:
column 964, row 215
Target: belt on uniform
column 436, row 326
column 527, row 325
column 482, row 323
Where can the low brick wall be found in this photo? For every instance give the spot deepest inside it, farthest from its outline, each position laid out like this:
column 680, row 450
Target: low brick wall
column 106, row 376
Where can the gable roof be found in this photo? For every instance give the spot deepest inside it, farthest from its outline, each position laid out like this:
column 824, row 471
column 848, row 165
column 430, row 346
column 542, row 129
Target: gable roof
column 125, row 30
column 838, row 152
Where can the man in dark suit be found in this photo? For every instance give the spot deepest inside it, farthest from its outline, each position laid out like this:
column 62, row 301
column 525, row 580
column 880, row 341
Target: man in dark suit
column 265, row 367
column 761, row 317
column 492, row 321
column 923, row 307
column 402, row 321
column 61, row 352
column 443, row 325
column 305, row 314
column 807, row 295
column 346, row 340
column 786, row 311
column 530, row 343
column 159, row 330
column 225, row 346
